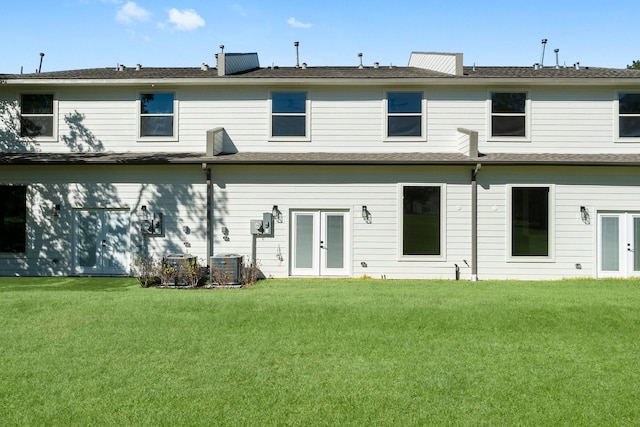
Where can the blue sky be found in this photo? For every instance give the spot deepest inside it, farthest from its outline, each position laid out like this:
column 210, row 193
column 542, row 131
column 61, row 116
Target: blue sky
column 174, row 33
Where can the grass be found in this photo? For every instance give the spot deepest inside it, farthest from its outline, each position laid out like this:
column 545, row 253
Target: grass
column 99, row 351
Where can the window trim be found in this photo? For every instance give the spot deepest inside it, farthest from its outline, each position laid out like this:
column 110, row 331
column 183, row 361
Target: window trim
column 54, row 125
column 616, row 116
column 139, row 115
column 423, row 118
column 550, row 222
column 526, row 114
column 443, row 223
column 307, row 115
column 11, row 255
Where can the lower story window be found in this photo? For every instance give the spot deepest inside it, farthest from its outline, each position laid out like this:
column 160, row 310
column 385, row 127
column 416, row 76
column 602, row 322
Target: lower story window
column 13, row 218
column 421, row 219
column 530, row 221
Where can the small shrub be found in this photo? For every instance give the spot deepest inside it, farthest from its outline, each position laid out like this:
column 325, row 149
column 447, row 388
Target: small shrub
column 169, row 273
column 192, row 272
column 146, row 271
column 249, row 273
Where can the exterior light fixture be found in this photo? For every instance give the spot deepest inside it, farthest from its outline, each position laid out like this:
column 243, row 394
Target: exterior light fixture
column 275, row 212
column 366, row 215
column 584, row 215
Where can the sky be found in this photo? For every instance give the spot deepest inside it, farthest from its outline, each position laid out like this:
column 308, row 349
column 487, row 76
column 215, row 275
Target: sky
column 76, row 34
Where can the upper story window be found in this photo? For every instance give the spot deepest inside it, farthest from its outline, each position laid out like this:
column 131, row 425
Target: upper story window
column 629, row 115
column 509, row 114
column 404, row 114
column 13, row 218
column 157, row 115
column 421, row 220
column 37, row 115
column 289, row 114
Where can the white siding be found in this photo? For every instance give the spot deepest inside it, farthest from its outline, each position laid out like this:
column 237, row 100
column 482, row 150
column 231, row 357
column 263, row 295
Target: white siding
column 573, row 240
column 242, row 194
column 179, row 193
column 343, row 119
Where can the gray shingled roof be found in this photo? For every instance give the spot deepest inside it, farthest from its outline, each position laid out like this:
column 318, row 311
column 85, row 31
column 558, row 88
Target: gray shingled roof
column 327, row 72
column 322, row 158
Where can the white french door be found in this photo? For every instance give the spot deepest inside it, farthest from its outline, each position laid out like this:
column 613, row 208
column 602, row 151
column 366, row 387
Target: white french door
column 618, row 244
column 101, row 241
column 320, row 243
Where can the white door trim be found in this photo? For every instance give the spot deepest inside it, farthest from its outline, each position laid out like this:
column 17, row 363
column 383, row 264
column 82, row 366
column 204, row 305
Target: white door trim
column 320, row 242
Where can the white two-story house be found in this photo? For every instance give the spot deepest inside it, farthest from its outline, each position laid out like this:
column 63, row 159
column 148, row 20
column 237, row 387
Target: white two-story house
column 433, row 170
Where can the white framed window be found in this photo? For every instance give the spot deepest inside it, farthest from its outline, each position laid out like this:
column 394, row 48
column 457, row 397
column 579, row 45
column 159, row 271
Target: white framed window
column 289, row 116
column 405, row 115
column 628, row 109
column 38, row 116
column 509, row 115
column 421, row 225
column 530, row 222
column 157, row 116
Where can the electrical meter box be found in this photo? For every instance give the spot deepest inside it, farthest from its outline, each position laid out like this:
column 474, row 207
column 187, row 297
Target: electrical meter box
column 262, row 227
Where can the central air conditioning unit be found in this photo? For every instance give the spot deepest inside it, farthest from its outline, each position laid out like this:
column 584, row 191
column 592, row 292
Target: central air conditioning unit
column 226, row 270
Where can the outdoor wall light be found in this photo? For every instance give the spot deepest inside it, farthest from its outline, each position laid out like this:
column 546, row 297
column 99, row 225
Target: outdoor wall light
column 584, row 215
column 56, row 210
column 366, row 215
column 276, row 213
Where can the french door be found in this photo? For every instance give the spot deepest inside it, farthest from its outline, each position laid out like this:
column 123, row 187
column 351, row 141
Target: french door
column 618, row 244
column 101, row 241
column 320, row 243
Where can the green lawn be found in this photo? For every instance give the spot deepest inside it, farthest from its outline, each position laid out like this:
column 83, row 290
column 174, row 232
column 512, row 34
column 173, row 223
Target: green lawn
column 325, row 352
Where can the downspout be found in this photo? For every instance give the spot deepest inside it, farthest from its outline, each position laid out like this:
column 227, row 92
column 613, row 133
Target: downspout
column 474, row 222
column 207, row 171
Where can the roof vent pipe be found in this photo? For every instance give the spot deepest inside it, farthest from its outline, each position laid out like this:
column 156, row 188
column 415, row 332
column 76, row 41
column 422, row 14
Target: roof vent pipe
column 360, row 56
column 221, row 48
column 138, row 67
column 304, row 65
column 577, row 65
column 40, row 67
column 121, row 67
column 544, row 44
column 557, row 62
column 376, row 65
column 296, row 44
column 204, row 67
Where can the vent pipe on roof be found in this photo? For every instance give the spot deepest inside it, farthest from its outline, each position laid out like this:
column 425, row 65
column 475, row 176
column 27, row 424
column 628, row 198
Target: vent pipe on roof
column 204, row 67
column 138, row 67
column 304, row 65
column 557, row 62
column 40, row 67
column 577, row 65
column 376, row 65
column 544, row 44
column 121, row 67
column 296, row 44
column 360, row 56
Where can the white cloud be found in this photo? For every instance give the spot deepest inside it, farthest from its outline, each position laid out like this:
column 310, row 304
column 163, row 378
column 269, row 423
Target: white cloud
column 131, row 12
column 186, row 20
column 297, row 24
